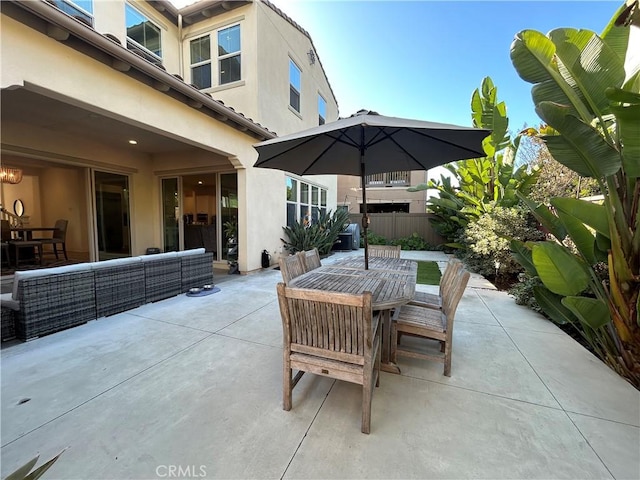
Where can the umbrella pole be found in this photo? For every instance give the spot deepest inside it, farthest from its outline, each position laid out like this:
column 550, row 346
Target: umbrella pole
column 365, row 215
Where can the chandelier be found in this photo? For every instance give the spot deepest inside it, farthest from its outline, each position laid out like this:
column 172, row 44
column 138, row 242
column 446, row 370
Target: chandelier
column 10, row 175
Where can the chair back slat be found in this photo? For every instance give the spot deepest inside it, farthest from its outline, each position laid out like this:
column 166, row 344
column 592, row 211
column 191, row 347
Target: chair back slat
column 452, row 297
column 312, row 259
column 330, row 321
column 385, row 251
column 60, row 231
column 450, row 273
column 292, row 267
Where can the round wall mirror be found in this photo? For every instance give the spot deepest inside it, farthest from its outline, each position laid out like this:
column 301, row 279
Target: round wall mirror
column 18, row 208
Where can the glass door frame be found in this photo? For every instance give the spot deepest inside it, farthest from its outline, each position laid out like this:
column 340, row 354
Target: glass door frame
column 92, row 211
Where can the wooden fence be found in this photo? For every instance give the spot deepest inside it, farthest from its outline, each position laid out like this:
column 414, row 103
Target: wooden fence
column 400, row 225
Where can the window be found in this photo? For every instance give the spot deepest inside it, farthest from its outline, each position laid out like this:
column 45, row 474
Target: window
column 229, row 54
column 80, row 9
column 201, row 62
column 305, row 202
column 141, row 32
column 294, row 86
column 322, row 110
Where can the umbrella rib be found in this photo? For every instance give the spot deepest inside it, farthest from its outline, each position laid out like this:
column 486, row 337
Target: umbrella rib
column 335, row 140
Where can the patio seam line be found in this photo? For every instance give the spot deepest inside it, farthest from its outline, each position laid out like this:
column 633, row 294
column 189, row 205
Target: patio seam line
column 105, row 391
column 549, row 390
column 604, row 419
column 307, row 430
column 212, row 332
column 504, row 397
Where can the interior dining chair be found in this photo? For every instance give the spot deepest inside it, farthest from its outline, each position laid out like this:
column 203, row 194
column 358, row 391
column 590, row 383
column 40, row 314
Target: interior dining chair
column 433, row 300
column 311, row 259
column 385, row 251
column 58, row 238
column 331, row 334
column 292, row 266
column 423, row 322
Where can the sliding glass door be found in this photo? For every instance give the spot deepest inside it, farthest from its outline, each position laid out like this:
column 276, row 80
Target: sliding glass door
column 171, row 214
column 112, row 215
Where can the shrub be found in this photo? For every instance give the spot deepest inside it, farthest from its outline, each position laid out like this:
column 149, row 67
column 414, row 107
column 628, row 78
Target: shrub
column 413, row 242
column 487, row 242
column 522, row 291
column 373, row 238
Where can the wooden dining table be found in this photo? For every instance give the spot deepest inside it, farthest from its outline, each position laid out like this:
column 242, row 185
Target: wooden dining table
column 391, row 281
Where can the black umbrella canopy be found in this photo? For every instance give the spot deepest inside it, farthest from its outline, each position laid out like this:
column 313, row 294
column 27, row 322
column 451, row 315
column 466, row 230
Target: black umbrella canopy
column 367, row 143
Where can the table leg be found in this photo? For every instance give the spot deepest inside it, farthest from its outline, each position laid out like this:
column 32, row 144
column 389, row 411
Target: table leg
column 386, row 364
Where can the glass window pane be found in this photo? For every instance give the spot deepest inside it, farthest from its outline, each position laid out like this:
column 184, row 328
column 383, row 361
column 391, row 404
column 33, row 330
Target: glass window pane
column 323, row 197
column 314, row 195
column 86, row 5
column 314, row 215
column 304, row 193
column 294, row 75
column 322, row 110
column 200, row 50
column 230, row 69
column 291, row 214
column 229, row 40
column 142, row 31
column 294, row 99
column 201, row 76
column 292, row 190
column 305, row 214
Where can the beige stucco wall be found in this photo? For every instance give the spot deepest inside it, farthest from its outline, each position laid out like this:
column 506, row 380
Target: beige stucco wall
column 33, row 60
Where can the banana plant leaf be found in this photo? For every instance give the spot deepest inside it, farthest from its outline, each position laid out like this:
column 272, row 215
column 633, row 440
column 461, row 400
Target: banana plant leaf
column 542, row 213
column 580, row 147
column 589, row 213
column 522, row 253
column 560, row 271
column 590, row 311
column 581, row 236
column 553, row 307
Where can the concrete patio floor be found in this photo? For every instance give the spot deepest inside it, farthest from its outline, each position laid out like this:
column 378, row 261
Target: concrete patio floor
column 191, row 387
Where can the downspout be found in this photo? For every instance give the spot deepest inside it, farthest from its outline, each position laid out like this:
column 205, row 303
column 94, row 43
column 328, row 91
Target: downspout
column 180, row 47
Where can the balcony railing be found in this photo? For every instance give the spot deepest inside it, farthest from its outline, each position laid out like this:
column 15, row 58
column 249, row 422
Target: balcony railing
column 389, row 179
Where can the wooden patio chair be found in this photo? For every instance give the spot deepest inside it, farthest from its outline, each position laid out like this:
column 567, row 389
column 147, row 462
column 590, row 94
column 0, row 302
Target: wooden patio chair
column 292, row 266
column 311, row 259
column 423, row 322
column 331, row 334
column 385, row 251
column 432, row 300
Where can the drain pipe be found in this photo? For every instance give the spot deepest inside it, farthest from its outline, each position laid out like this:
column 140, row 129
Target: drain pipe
column 180, row 47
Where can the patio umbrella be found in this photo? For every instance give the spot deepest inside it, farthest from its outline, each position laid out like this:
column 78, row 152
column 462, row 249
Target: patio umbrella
column 367, row 143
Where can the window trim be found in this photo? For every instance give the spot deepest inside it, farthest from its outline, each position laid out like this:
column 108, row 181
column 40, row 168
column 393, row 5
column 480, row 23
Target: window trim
column 134, row 42
column 237, row 53
column 324, row 118
column 201, row 63
column 292, row 86
column 309, row 203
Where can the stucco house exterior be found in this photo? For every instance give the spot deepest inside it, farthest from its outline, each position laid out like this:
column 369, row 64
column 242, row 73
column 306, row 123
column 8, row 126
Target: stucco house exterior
column 135, row 121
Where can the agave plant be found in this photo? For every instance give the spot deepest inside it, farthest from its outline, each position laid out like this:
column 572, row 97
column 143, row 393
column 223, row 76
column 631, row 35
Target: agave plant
column 322, row 234
column 581, row 89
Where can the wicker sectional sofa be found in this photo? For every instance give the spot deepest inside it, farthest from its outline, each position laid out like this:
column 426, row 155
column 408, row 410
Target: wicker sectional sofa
column 51, row 299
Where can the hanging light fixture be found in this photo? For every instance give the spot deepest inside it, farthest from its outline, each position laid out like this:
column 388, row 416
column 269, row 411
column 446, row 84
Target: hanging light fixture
column 10, row 175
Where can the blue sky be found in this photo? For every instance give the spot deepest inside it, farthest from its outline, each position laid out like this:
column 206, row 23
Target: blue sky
column 423, row 59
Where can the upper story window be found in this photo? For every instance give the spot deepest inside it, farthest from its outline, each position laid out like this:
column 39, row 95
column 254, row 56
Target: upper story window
column 322, row 110
column 294, row 86
column 142, row 32
column 80, row 9
column 201, row 62
column 229, row 54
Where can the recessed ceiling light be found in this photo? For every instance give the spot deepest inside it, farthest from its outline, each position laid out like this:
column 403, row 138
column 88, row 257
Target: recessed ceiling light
column 133, row 142
column 199, row 182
